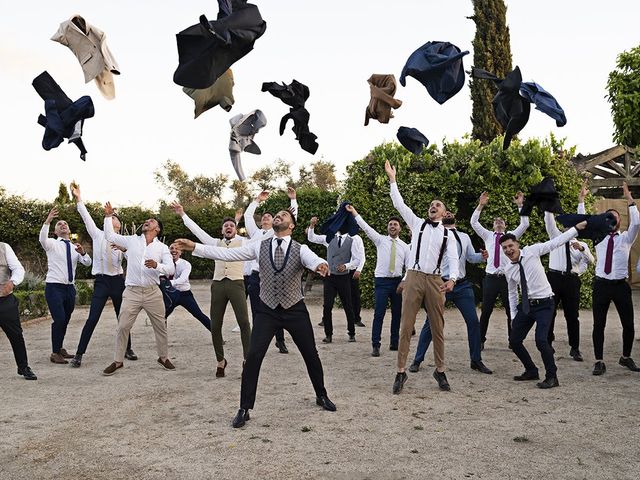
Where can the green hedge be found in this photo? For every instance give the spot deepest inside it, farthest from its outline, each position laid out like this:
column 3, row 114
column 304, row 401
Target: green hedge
column 32, row 302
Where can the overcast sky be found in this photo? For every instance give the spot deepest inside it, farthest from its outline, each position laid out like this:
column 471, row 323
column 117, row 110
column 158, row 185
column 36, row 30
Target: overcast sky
column 568, row 47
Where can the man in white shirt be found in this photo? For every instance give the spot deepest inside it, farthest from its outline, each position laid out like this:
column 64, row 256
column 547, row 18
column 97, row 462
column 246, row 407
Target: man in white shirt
column 461, row 296
column 177, row 289
column 227, row 286
column 147, row 259
column 252, row 281
column 392, row 254
column 11, row 274
column 536, row 306
column 59, row 291
column 424, row 284
column 610, row 285
column 494, row 283
column 281, row 261
column 566, row 264
column 344, row 253
column 109, row 278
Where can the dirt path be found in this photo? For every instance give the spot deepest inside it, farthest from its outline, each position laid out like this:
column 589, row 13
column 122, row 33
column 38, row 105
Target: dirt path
column 147, row 423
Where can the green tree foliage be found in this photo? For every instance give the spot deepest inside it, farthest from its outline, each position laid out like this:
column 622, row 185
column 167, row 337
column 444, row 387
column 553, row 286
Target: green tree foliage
column 492, row 52
column 190, row 190
column 457, row 174
column 624, row 95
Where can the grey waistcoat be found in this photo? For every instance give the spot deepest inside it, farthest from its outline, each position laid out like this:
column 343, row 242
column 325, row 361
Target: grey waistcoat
column 282, row 287
column 339, row 256
column 5, row 273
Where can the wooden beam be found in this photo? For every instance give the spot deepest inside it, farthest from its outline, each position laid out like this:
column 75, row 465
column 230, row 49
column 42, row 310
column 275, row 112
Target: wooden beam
column 614, row 182
column 616, row 167
column 635, row 170
column 605, row 156
column 602, row 172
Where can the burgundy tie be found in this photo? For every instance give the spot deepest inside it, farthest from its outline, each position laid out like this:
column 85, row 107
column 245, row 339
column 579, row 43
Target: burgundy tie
column 608, row 260
column 496, row 250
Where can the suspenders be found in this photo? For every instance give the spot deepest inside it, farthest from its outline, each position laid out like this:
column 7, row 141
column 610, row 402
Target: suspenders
column 443, row 247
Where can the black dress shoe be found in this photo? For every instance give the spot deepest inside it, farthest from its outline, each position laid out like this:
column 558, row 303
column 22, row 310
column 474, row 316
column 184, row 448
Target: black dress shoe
column 599, row 368
column 282, row 347
column 327, row 339
column 393, row 348
column 375, row 352
column 414, row 367
column 441, row 378
column 325, row 403
column 130, row 355
column 629, row 363
column 321, row 324
column 481, row 367
column 76, row 361
column 548, row 383
column 527, row 375
column 240, row 419
column 576, row 355
column 360, row 324
column 398, row 383
column 27, row 373
column 352, row 338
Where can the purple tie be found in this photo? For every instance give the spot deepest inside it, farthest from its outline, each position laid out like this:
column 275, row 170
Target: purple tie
column 496, row 250
column 608, row 260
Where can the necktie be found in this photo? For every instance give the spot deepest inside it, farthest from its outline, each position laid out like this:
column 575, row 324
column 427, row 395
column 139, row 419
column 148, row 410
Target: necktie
column 608, row 261
column 339, row 241
column 227, row 241
column 69, row 264
column 523, row 288
column 496, row 250
column 278, row 258
column 392, row 257
column 567, row 253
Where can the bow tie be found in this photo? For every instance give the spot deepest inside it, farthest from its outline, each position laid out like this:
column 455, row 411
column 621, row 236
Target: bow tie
column 431, row 222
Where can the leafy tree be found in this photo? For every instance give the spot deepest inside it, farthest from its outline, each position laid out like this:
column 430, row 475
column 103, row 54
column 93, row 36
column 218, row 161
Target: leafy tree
column 623, row 88
column 190, row 190
column 63, row 197
column 271, row 177
column 492, row 52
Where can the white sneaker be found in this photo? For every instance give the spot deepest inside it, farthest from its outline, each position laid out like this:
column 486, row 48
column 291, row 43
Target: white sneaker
column 236, row 329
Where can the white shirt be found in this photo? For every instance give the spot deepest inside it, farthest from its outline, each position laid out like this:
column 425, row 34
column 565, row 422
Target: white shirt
column 251, row 251
column 466, row 253
column 106, row 260
column 432, row 238
column 537, row 284
column 180, row 279
column 207, row 239
column 558, row 258
column 57, row 271
column 383, row 245
column 16, row 268
column 622, row 243
column 256, row 233
column 489, row 239
column 137, row 253
column 357, row 248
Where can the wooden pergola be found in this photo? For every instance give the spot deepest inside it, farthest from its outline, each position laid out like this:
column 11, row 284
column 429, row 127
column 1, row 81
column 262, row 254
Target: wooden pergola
column 609, row 168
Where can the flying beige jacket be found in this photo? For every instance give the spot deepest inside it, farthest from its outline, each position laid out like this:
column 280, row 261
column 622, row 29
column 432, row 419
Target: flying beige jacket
column 89, row 45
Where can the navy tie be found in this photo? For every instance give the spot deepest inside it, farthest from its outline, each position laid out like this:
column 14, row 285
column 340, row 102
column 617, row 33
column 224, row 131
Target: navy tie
column 69, row 264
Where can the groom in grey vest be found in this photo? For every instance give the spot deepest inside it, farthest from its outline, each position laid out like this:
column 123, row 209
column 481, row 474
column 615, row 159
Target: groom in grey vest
column 281, row 262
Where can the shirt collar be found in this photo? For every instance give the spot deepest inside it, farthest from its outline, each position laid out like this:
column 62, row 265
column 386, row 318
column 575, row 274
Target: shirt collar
column 285, row 239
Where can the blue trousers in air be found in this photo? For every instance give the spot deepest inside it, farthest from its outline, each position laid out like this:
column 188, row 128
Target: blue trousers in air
column 61, row 300
column 385, row 291
column 188, row 301
column 463, row 298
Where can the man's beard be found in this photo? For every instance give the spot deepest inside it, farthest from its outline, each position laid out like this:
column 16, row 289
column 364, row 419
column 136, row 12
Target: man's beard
column 279, row 227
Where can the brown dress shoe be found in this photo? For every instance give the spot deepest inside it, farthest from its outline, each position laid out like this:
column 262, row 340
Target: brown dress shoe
column 167, row 365
column 220, row 370
column 57, row 358
column 65, row 354
column 111, row 369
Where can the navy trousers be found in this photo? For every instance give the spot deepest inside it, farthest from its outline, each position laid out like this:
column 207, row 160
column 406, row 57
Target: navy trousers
column 385, row 292
column 188, row 301
column 105, row 287
column 61, row 300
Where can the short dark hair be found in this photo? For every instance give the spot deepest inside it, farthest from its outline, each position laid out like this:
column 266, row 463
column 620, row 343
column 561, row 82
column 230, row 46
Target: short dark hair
column 613, row 210
column 229, row 219
column 293, row 217
column 396, row 218
column 506, row 237
column 160, row 226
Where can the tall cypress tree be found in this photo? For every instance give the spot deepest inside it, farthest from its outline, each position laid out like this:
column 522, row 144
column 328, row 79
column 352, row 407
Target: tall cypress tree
column 491, row 52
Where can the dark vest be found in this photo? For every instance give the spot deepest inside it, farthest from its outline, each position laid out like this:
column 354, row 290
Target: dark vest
column 284, row 286
column 339, row 256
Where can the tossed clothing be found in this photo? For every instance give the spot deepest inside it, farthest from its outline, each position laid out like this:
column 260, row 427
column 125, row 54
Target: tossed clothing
column 220, row 93
column 243, row 129
column 63, row 118
column 382, row 88
column 544, row 101
column 412, row 139
column 207, row 49
column 89, row 44
column 340, row 221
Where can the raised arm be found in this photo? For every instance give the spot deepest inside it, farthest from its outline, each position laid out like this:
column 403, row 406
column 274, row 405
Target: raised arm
column 374, row 236
column 546, row 247
column 293, row 201
column 110, row 235
column 45, row 241
column 584, row 190
column 524, row 220
column 240, row 254
column 550, row 224
column 90, row 225
column 475, row 218
column 311, row 234
column 634, row 216
column 200, row 234
column 249, row 221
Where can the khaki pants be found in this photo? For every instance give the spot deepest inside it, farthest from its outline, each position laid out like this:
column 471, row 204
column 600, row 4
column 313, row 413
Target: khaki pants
column 422, row 289
column 135, row 299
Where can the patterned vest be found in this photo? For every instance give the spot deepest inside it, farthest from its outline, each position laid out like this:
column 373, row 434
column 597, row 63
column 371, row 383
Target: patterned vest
column 231, row 270
column 283, row 287
column 5, row 273
column 339, row 255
